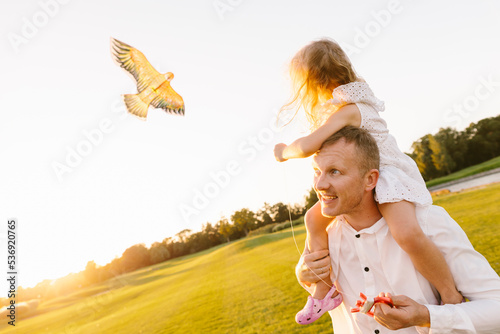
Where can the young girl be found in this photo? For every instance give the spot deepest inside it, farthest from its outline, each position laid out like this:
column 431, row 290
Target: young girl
column 333, row 97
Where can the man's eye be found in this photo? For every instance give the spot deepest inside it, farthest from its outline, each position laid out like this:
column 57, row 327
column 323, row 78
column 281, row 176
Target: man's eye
column 334, row 171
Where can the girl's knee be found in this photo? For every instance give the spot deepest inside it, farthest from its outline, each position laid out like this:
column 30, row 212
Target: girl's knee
column 411, row 238
column 403, row 224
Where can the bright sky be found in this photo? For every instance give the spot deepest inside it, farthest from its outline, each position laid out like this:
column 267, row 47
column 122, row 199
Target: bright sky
column 435, row 64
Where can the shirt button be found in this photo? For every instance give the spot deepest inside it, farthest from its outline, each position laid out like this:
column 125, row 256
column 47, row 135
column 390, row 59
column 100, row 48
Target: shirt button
column 357, row 235
column 377, row 331
column 367, row 269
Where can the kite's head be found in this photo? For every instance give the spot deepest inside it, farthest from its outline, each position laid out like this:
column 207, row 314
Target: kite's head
column 169, row 76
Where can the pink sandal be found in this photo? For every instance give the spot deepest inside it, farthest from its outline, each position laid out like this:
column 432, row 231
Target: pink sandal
column 315, row 308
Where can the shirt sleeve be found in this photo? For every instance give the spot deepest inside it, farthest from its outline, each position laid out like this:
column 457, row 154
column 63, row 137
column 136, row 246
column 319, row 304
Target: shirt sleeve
column 474, row 278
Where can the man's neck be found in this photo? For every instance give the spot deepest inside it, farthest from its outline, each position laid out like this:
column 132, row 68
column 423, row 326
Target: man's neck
column 364, row 218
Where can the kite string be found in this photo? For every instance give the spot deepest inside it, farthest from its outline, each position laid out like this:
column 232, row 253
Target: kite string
column 291, row 225
column 290, row 210
column 293, row 231
column 291, row 222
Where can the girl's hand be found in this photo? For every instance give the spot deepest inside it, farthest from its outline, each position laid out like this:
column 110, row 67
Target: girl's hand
column 278, row 152
column 308, row 145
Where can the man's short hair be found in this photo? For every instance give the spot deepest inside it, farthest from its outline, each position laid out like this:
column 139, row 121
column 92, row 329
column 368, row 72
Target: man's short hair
column 368, row 156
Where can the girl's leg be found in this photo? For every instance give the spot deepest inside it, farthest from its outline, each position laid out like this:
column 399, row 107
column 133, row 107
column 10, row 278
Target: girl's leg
column 426, row 257
column 324, row 298
column 317, row 239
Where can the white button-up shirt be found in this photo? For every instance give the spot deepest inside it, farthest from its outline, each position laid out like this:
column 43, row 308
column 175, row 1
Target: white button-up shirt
column 370, row 261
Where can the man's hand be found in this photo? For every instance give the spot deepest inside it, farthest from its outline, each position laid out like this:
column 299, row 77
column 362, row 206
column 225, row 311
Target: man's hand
column 405, row 313
column 315, row 266
column 278, row 152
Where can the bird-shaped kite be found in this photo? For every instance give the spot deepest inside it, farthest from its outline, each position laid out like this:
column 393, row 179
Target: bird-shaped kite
column 154, row 88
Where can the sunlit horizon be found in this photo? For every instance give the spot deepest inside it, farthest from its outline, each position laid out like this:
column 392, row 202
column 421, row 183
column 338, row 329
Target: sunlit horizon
column 127, row 182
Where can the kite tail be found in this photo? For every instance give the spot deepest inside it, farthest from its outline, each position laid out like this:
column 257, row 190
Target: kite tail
column 136, row 106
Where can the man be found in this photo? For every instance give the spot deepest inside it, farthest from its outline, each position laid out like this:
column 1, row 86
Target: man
column 364, row 257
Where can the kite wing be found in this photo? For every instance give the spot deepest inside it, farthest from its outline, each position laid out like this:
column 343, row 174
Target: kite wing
column 134, row 62
column 168, row 99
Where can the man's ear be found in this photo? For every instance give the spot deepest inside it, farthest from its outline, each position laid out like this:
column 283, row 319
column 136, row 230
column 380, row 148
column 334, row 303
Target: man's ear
column 371, row 178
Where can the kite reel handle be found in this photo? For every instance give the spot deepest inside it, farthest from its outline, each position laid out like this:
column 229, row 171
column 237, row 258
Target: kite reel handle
column 366, row 305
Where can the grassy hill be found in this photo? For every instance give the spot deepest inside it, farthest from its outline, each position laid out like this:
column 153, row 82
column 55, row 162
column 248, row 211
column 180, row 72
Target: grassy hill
column 469, row 171
column 247, row 286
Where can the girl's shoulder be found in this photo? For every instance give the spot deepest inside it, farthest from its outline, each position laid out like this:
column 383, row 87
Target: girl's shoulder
column 355, row 92
column 348, row 114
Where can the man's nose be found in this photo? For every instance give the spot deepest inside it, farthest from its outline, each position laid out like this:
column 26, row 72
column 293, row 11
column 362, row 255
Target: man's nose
column 320, row 182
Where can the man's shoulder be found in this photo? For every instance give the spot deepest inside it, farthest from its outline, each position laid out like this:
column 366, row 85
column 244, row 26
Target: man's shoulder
column 433, row 217
column 425, row 211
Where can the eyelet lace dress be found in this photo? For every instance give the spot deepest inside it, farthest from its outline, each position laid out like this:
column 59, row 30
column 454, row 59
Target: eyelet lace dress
column 399, row 177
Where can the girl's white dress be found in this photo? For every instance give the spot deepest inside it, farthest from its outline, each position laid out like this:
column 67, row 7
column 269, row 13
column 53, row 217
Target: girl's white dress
column 399, row 178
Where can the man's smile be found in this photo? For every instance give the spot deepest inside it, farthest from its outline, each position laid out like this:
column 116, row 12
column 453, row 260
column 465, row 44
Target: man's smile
column 327, row 199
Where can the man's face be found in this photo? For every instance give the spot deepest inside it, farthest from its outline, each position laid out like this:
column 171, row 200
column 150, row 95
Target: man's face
column 337, row 179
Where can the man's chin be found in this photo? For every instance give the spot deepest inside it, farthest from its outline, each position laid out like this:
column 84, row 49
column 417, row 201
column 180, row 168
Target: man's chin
column 328, row 212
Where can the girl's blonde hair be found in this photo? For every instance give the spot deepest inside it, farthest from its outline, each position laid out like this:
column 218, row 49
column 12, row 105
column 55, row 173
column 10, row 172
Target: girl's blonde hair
column 316, row 70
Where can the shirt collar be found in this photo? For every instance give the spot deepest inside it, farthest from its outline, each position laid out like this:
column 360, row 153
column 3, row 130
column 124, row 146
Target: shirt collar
column 369, row 230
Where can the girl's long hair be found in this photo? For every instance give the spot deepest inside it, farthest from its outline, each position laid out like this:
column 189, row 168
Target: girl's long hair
column 316, row 70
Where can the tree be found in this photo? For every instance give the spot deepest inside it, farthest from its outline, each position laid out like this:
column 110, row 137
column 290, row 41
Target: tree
column 135, row 257
column 169, row 244
column 297, row 210
column 450, row 150
column 179, row 249
column 484, row 142
column 422, row 155
column 90, row 274
column 212, row 234
column 440, row 157
column 182, row 235
column 455, row 143
column 197, row 242
column 244, row 220
column 158, row 252
column 264, row 215
column 311, row 199
column 225, row 229
column 115, row 267
column 280, row 212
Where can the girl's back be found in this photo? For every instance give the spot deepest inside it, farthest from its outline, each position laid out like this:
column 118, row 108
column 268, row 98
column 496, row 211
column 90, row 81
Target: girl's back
column 400, row 178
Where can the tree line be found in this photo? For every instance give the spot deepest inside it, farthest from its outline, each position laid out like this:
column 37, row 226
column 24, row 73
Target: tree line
column 436, row 155
column 450, row 150
column 238, row 225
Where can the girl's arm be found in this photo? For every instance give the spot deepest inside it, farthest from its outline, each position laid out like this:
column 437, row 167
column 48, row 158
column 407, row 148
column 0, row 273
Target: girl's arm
column 308, row 145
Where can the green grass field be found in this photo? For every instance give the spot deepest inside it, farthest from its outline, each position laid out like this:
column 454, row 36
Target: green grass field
column 247, row 286
column 472, row 170
column 477, row 211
